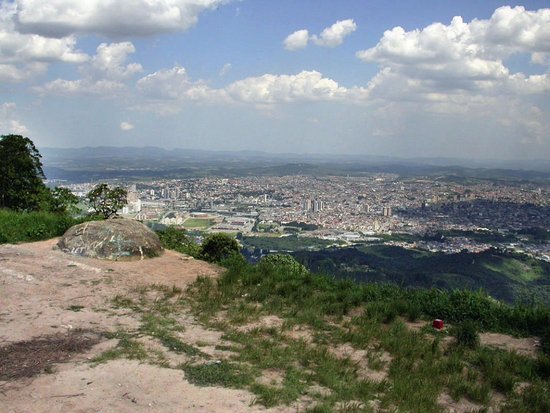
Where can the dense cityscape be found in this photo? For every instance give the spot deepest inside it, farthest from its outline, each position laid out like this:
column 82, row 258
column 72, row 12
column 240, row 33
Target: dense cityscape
column 347, row 209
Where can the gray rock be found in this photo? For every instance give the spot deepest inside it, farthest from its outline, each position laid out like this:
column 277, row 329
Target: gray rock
column 112, row 239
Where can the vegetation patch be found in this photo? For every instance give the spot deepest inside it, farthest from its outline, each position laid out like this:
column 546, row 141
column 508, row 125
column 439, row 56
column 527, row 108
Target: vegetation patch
column 198, row 223
column 32, row 226
column 369, row 357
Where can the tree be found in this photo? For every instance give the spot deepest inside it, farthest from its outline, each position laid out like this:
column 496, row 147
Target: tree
column 62, row 201
column 21, row 175
column 217, row 247
column 106, row 201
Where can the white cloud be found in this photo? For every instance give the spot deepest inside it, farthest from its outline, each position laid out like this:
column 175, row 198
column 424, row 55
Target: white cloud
column 165, row 91
column 110, row 61
column 126, row 126
column 464, row 56
column 174, row 84
column 112, row 18
column 225, row 69
column 297, row 40
column 334, row 35
column 8, row 123
column 103, row 87
column 331, row 36
column 21, row 72
column 24, row 56
column 102, row 75
column 459, row 70
column 304, row 86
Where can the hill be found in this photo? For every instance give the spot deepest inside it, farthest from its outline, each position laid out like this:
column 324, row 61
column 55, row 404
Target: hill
column 172, row 333
column 506, row 276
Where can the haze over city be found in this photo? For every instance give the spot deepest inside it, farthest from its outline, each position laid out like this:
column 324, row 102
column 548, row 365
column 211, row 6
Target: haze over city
column 430, row 78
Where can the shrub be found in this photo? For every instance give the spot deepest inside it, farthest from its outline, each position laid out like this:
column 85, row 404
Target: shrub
column 466, row 334
column 217, row 247
column 174, row 239
column 284, row 263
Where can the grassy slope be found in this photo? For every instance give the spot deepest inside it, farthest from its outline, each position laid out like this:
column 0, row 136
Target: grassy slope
column 419, row 366
column 511, row 278
column 413, row 368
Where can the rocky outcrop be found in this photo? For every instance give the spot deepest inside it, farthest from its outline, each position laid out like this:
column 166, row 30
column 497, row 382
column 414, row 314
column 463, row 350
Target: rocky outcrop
column 112, row 239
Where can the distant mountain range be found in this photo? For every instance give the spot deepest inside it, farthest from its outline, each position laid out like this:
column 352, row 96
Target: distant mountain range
column 91, row 163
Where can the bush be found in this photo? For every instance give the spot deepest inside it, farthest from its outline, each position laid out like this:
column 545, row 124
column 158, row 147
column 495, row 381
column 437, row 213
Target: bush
column 466, row 334
column 217, row 247
column 174, row 239
column 284, row 263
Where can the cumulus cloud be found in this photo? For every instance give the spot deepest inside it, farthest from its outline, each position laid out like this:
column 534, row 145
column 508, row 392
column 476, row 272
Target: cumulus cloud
column 460, row 69
column 297, row 40
column 304, row 86
column 330, row 37
column 112, row 18
column 165, row 91
column 8, row 123
column 334, row 35
column 102, row 75
column 126, row 126
column 110, row 61
column 463, row 56
column 26, row 55
column 174, row 84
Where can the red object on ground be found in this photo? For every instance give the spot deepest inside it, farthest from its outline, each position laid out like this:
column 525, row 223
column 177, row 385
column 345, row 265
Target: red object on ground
column 438, row 324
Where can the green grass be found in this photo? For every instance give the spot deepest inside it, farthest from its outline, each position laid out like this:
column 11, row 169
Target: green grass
column 198, row 223
column 220, row 373
column 515, row 270
column 32, row 226
column 127, row 347
column 419, row 367
column 282, row 369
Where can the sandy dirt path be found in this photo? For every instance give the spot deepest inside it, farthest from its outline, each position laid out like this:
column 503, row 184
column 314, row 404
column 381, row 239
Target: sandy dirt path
column 44, row 291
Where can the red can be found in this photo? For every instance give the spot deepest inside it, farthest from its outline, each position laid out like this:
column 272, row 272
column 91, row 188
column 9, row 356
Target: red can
column 438, row 324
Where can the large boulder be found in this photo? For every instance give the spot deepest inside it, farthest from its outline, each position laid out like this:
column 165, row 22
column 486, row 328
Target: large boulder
column 112, row 239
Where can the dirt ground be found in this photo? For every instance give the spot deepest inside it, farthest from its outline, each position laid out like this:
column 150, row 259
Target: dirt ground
column 52, row 305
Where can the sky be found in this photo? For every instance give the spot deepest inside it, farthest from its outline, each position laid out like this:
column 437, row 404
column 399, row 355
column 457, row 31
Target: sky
column 425, row 78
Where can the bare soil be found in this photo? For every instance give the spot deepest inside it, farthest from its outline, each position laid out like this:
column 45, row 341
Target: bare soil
column 53, row 312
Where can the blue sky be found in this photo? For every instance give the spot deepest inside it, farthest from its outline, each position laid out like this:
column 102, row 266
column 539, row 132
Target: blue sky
column 404, row 78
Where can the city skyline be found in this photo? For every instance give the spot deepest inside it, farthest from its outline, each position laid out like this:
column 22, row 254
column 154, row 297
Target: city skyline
column 433, row 78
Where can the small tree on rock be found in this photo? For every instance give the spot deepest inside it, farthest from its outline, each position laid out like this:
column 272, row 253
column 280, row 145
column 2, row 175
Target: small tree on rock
column 105, row 201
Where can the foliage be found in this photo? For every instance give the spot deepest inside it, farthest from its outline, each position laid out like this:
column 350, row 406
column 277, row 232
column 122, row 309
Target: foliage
column 217, row 247
column 21, row 176
column 61, row 201
column 175, row 239
column 282, row 262
column 466, row 334
column 513, row 278
column 32, row 226
column 289, row 243
column 106, row 201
